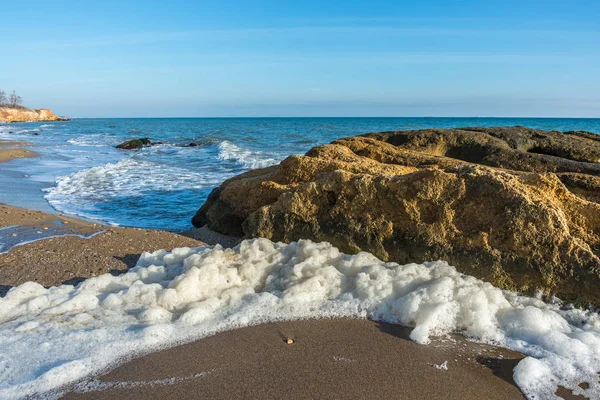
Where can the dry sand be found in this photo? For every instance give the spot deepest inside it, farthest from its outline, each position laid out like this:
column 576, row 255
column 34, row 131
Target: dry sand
column 68, row 259
column 11, row 150
column 329, row 359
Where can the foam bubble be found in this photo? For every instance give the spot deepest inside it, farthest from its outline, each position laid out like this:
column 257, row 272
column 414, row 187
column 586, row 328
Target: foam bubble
column 69, row 332
column 246, row 158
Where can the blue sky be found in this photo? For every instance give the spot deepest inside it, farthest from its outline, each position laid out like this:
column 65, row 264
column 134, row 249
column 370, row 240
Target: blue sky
column 304, row 58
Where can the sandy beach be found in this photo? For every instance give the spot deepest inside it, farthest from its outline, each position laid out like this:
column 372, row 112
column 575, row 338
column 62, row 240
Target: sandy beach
column 339, row 358
column 70, row 259
column 329, row 359
column 11, row 150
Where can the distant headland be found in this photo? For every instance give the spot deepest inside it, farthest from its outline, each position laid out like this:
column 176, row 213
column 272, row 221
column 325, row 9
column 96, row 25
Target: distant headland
column 12, row 110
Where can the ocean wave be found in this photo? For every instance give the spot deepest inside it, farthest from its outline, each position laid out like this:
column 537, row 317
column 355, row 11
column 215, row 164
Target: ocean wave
column 82, row 190
column 128, row 177
column 202, row 142
column 186, row 294
column 4, row 132
column 95, row 140
column 36, row 130
column 248, row 159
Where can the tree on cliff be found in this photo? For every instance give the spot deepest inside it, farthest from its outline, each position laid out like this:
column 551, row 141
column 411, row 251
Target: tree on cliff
column 2, row 98
column 15, row 100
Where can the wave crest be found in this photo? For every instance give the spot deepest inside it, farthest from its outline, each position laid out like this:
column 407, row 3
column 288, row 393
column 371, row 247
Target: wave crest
column 249, row 159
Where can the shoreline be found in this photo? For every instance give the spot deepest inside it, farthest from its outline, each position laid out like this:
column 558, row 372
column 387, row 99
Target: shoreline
column 65, row 250
column 10, row 150
column 329, row 358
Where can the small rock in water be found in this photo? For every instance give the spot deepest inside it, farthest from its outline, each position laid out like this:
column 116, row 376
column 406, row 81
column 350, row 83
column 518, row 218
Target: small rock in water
column 135, row 144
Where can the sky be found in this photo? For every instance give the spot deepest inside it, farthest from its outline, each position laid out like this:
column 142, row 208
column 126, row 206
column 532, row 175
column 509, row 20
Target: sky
column 303, row 58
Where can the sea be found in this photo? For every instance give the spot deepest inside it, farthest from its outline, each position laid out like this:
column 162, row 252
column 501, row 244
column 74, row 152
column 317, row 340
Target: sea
column 82, row 173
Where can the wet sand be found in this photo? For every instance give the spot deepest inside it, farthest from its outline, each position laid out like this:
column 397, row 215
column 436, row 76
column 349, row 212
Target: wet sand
column 329, row 359
column 11, row 150
column 70, row 259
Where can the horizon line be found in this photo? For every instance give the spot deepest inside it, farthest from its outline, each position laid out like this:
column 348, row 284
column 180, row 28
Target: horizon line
column 333, row 116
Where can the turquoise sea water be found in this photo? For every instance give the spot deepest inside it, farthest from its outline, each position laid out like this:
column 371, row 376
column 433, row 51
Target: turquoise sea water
column 81, row 172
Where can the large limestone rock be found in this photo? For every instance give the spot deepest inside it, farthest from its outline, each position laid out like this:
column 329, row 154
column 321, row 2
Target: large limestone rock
column 514, row 206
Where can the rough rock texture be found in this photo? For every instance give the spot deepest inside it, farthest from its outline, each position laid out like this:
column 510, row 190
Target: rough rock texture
column 517, row 207
column 26, row 115
column 135, row 144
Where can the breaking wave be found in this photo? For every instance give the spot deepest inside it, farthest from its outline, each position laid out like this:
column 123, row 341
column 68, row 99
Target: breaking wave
column 133, row 181
column 94, row 140
column 248, row 159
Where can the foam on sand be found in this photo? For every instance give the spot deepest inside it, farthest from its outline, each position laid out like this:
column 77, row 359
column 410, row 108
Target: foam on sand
column 68, row 333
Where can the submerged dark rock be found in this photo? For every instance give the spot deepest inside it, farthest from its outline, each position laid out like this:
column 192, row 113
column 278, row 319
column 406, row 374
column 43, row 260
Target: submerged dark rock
column 517, row 207
column 135, row 144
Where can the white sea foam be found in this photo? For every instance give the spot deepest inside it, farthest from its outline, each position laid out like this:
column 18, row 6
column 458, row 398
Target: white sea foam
column 53, row 337
column 91, row 386
column 128, row 177
column 27, row 131
column 94, row 140
column 5, row 249
column 246, row 158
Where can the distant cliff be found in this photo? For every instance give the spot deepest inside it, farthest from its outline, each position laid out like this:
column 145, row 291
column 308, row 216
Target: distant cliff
column 27, row 115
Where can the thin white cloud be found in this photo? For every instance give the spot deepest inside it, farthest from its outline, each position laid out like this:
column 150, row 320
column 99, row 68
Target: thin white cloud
column 139, row 38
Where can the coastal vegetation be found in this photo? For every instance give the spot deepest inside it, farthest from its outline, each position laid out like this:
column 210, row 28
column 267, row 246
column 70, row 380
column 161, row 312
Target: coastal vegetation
column 11, row 101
